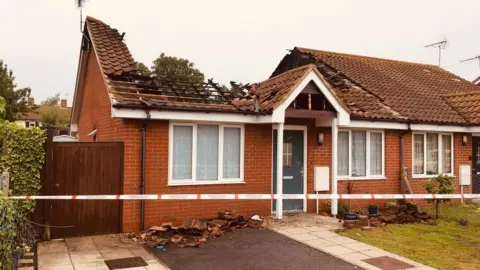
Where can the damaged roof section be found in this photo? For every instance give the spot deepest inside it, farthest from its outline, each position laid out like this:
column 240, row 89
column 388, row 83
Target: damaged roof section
column 128, row 89
column 135, row 91
column 113, row 54
column 382, row 89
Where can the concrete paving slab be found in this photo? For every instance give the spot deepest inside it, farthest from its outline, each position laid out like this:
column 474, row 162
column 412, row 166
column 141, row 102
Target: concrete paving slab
column 318, row 243
column 324, row 234
column 342, row 240
column 336, row 250
column 357, row 246
column 54, row 259
column 304, row 237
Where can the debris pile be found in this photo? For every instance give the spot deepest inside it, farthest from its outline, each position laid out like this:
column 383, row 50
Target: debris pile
column 402, row 213
column 194, row 231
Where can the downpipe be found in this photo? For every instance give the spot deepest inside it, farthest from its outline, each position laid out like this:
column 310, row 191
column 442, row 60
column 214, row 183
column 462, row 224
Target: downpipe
column 143, row 163
column 402, row 159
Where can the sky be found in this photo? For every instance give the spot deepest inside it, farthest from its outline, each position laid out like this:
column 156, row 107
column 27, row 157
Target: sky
column 241, row 41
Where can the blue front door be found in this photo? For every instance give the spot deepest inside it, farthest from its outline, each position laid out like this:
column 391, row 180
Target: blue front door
column 292, row 168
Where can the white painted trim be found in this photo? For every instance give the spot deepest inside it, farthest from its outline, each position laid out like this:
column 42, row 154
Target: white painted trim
column 367, row 176
column 413, row 127
column 334, row 205
column 305, row 156
column 193, row 180
column 362, row 178
column 440, row 155
column 193, row 116
column 279, row 212
column 343, row 115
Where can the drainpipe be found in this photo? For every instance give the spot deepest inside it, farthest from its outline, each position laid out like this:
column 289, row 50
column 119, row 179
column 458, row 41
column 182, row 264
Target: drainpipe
column 143, row 162
column 402, row 159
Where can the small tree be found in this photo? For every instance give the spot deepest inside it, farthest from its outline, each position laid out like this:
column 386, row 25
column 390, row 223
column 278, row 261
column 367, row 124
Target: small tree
column 51, row 101
column 442, row 184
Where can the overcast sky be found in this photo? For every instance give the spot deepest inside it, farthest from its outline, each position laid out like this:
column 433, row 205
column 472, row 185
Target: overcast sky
column 241, row 41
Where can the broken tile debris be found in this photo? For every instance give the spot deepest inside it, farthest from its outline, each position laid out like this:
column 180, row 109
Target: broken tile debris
column 191, row 232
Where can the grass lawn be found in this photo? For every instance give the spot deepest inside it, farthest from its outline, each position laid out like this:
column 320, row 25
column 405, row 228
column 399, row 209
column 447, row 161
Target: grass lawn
column 447, row 245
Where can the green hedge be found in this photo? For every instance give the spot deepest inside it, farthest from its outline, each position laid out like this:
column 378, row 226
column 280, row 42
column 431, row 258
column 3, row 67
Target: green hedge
column 22, row 156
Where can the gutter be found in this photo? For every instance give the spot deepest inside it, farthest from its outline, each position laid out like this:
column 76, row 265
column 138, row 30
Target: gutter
column 402, row 158
column 143, row 160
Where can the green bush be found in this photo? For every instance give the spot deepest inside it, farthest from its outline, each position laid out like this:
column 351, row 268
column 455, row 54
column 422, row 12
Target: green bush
column 442, row 184
column 23, row 158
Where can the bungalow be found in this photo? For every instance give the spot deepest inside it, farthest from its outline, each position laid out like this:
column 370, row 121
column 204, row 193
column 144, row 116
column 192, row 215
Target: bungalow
column 387, row 125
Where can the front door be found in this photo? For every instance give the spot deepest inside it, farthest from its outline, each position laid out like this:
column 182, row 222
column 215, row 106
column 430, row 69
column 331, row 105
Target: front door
column 476, row 165
column 292, row 168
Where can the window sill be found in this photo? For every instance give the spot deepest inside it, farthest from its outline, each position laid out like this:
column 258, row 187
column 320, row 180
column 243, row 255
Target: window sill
column 424, row 176
column 202, row 183
column 353, row 178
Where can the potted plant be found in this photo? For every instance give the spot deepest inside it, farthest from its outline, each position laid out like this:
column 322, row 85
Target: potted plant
column 373, row 210
column 349, row 215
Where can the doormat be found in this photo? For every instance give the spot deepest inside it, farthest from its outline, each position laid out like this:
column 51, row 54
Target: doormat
column 387, row 263
column 125, row 263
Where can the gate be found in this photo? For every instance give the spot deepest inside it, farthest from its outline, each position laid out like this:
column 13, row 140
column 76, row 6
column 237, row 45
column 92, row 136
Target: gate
column 82, row 168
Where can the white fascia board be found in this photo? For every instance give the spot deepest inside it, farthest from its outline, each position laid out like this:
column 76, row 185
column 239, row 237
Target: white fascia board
column 413, row 127
column 192, row 116
column 375, row 125
column 343, row 115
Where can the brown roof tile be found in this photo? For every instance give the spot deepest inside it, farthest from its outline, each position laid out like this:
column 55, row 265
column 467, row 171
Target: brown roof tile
column 112, row 52
column 413, row 91
column 466, row 104
column 274, row 91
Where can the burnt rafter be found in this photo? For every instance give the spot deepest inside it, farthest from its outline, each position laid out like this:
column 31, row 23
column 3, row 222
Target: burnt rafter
column 133, row 88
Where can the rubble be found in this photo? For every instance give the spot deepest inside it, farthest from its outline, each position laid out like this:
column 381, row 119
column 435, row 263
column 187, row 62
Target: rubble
column 400, row 213
column 403, row 213
column 192, row 232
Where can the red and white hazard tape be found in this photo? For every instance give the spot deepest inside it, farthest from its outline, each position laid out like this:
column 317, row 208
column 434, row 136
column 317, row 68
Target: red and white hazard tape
column 247, row 197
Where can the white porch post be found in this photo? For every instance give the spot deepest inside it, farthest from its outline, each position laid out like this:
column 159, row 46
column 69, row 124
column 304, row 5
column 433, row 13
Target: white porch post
column 279, row 171
column 334, row 210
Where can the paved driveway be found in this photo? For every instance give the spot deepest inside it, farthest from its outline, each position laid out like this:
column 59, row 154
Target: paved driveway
column 250, row 248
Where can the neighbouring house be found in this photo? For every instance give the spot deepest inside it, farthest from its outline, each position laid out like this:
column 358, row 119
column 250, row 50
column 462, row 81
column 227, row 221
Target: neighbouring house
column 387, row 125
column 34, row 117
column 477, row 81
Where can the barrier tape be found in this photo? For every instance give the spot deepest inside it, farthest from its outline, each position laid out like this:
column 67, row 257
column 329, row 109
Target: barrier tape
column 246, row 196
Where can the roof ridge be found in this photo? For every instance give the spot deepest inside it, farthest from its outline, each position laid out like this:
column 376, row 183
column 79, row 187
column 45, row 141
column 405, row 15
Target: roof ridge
column 461, row 94
column 370, row 57
column 309, row 66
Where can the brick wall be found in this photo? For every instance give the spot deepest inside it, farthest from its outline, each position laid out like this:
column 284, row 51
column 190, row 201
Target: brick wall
column 321, row 156
column 96, row 114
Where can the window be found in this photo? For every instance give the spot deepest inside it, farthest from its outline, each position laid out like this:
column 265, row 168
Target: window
column 360, row 154
column 287, row 154
column 204, row 153
column 432, row 154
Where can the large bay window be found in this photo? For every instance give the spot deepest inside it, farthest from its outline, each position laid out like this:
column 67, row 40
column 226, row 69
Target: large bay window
column 205, row 154
column 360, row 154
column 432, row 154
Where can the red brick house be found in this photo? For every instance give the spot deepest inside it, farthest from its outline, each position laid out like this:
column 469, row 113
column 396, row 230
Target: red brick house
column 341, row 118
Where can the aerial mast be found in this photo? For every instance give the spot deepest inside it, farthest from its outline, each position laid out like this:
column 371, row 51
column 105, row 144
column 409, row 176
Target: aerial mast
column 441, row 46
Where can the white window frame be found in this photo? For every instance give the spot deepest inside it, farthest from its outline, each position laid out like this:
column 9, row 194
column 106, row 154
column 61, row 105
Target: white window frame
column 440, row 154
column 193, row 180
column 367, row 176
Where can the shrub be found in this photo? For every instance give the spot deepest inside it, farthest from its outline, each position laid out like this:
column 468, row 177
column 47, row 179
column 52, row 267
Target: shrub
column 442, row 184
column 23, row 157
